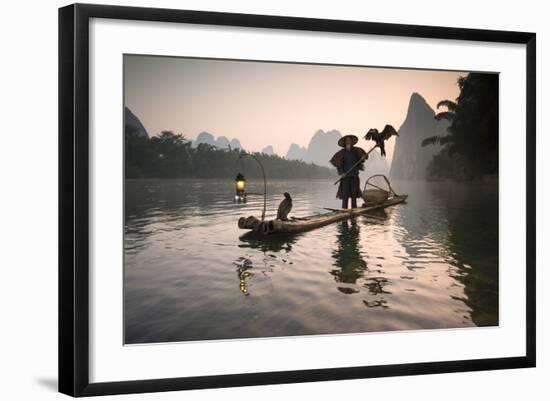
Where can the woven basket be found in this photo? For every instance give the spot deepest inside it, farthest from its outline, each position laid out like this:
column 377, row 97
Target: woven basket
column 374, row 195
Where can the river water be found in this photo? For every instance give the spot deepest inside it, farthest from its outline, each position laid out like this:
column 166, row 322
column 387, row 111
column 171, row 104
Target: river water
column 191, row 274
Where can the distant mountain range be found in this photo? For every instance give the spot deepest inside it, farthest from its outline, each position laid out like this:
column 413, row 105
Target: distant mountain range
column 220, row 142
column 410, row 159
column 132, row 125
column 296, row 152
column 319, row 151
column 268, row 150
column 323, row 145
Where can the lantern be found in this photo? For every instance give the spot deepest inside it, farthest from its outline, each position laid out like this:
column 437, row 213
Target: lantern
column 240, row 187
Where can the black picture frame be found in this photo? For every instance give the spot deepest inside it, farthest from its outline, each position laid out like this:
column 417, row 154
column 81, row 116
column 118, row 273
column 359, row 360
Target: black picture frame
column 74, row 203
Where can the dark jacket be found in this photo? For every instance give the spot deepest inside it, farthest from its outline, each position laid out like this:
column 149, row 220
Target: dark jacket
column 338, row 161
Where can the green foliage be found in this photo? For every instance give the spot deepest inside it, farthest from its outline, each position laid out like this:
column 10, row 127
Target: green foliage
column 170, row 155
column 472, row 139
column 445, row 115
column 449, row 104
column 436, row 140
column 445, row 165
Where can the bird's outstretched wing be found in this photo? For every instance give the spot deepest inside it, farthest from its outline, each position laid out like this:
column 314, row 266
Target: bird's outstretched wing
column 372, row 134
column 388, row 131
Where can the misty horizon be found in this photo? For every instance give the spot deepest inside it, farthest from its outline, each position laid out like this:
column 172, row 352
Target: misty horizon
column 277, row 104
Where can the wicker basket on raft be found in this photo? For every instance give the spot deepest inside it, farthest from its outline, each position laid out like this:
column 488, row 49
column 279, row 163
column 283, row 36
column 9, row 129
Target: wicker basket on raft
column 373, row 196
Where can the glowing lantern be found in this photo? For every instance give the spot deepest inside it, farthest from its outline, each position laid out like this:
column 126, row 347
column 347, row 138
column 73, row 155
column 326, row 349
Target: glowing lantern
column 240, row 186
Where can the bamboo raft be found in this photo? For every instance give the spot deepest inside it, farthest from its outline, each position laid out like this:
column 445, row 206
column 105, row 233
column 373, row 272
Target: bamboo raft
column 300, row 224
column 375, row 199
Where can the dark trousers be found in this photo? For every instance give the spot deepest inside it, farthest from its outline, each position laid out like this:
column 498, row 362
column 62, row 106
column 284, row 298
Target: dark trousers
column 349, row 190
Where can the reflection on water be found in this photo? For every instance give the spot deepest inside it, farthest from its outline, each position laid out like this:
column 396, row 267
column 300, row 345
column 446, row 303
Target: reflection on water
column 274, row 243
column 191, row 274
column 349, row 263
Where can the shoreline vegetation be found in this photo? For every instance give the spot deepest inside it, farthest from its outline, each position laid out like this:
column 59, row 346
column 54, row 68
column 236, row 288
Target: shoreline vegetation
column 470, row 146
column 483, row 179
column 171, row 155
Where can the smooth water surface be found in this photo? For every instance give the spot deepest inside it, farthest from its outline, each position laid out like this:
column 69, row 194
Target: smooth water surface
column 191, row 274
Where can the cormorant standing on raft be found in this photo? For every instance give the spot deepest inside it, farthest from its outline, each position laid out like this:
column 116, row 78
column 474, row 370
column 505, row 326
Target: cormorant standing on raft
column 284, row 208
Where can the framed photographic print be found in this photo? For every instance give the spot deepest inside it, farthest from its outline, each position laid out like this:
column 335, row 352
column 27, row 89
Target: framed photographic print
column 251, row 199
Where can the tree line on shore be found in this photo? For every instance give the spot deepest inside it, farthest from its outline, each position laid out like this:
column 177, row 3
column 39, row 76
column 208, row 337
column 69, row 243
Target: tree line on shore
column 470, row 146
column 171, row 155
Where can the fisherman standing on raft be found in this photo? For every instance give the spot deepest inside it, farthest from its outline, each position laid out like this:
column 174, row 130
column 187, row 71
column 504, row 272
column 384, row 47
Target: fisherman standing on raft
column 349, row 161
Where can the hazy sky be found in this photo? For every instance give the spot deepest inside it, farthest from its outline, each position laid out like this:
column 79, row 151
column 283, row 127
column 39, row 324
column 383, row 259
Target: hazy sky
column 272, row 103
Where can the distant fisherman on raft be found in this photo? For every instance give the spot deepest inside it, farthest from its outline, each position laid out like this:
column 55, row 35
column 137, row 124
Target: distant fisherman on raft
column 344, row 160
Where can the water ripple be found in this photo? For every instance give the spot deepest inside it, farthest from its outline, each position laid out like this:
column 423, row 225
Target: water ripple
column 191, row 274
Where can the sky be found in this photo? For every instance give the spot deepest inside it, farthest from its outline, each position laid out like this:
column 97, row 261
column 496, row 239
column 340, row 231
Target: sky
column 263, row 103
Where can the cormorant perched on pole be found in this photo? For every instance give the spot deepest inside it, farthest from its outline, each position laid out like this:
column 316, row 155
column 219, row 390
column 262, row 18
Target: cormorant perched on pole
column 284, row 208
column 380, row 137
